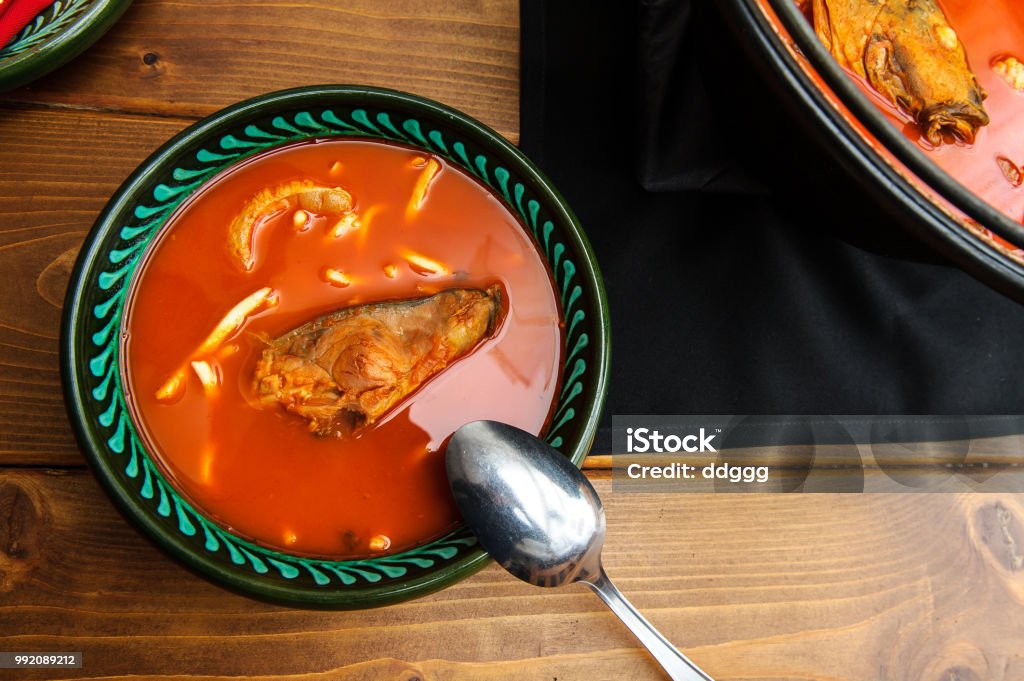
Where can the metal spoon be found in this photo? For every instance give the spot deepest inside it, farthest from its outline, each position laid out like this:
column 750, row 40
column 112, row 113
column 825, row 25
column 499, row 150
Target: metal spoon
column 540, row 518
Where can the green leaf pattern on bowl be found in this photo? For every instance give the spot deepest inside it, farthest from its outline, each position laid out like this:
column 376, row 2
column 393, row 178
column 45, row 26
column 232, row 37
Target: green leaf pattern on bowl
column 122, row 439
column 49, row 23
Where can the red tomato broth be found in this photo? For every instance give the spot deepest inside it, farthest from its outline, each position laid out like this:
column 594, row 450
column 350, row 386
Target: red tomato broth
column 259, row 471
column 989, row 34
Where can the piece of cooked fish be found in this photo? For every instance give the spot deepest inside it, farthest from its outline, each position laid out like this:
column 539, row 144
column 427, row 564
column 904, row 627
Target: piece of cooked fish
column 346, row 369
column 911, row 55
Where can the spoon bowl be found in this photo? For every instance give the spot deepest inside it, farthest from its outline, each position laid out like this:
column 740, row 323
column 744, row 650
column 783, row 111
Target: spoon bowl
column 539, row 517
column 552, row 527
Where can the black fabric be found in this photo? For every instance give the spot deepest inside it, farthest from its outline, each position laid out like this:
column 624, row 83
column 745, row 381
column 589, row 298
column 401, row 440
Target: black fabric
column 747, row 274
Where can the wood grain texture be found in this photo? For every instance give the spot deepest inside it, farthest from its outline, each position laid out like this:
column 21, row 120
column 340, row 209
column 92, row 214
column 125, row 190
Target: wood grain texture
column 57, row 170
column 783, row 587
column 192, row 57
column 984, row 464
column 855, row 587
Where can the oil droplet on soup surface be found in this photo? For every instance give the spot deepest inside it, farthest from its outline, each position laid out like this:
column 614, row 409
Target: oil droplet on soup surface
column 260, row 470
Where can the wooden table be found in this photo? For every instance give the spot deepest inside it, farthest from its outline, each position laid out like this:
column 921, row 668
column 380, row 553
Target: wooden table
column 850, row 587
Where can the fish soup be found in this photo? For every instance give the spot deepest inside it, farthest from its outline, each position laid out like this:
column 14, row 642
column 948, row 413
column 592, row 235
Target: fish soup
column 313, row 325
column 993, row 35
column 941, row 57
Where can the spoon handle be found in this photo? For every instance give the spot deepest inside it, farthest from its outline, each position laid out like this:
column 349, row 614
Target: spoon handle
column 678, row 666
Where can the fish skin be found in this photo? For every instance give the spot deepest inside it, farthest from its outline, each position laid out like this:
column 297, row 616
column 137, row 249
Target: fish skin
column 909, row 53
column 346, row 369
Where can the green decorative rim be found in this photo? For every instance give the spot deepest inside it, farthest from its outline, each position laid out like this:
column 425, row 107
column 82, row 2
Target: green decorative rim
column 60, row 33
column 93, row 312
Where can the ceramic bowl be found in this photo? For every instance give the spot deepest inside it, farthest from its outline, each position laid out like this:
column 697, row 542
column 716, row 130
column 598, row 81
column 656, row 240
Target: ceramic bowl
column 59, row 34
column 94, row 312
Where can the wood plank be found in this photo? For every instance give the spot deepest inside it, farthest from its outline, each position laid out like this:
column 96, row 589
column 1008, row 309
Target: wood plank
column 837, row 587
column 192, row 57
column 989, row 464
column 57, row 170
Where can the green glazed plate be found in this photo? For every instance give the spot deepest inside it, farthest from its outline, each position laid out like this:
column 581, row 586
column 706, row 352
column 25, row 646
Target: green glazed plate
column 94, row 311
column 59, row 34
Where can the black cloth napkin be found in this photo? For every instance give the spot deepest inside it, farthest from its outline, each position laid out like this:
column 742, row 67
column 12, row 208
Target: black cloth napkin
column 746, row 272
